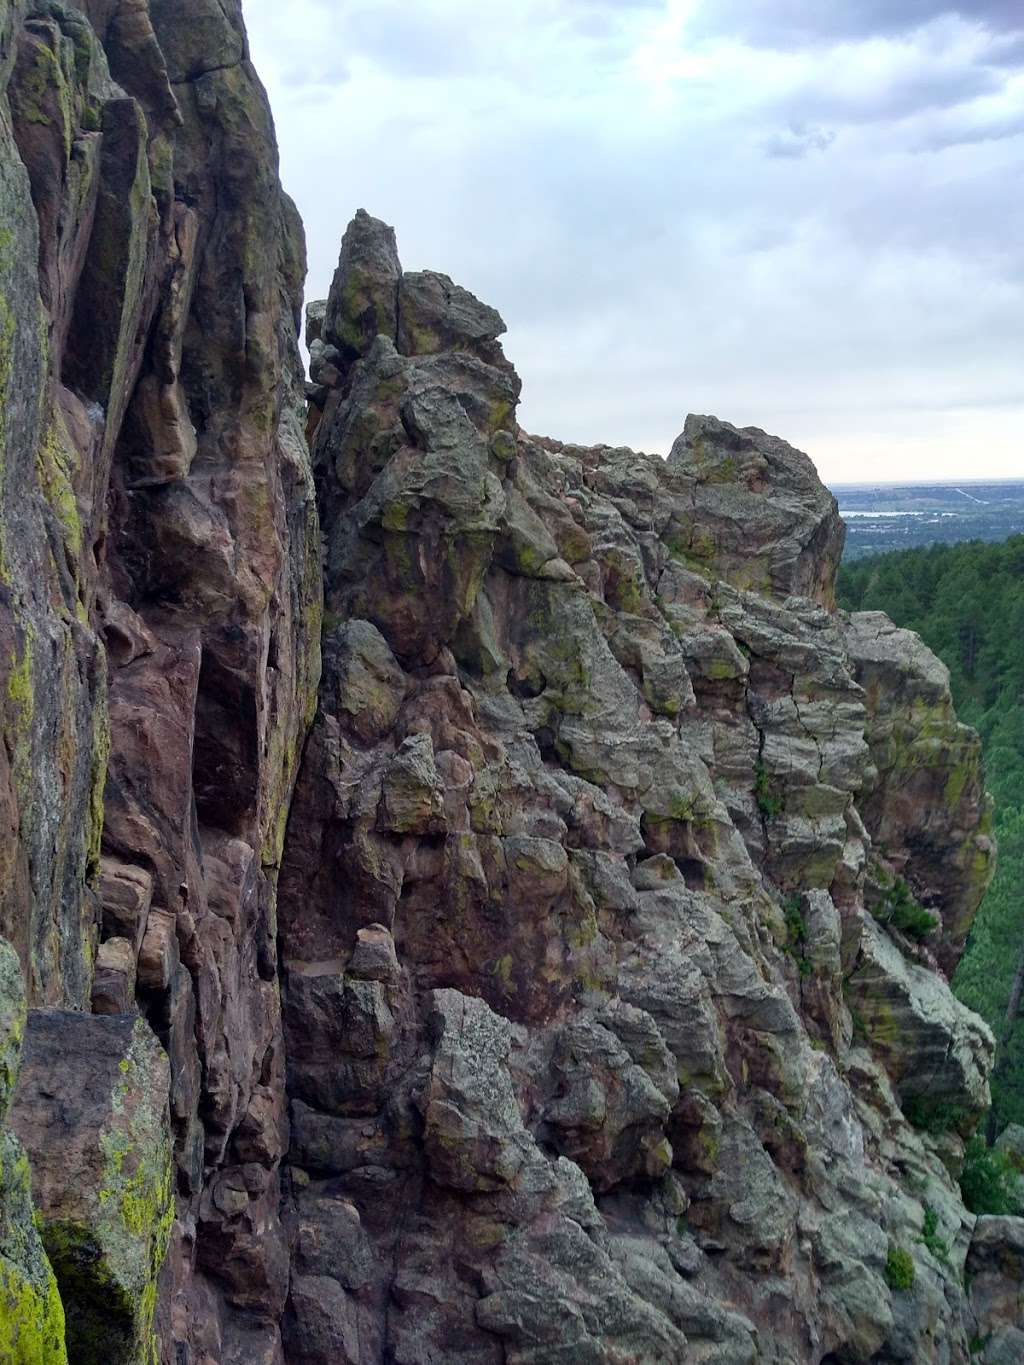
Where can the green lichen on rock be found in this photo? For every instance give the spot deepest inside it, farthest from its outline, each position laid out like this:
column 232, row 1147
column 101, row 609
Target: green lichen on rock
column 18, row 715
column 12, row 1022
column 31, row 1312
column 31, row 1320
column 7, row 329
column 100, row 758
column 40, row 93
column 104, row 1189
column 56, row 464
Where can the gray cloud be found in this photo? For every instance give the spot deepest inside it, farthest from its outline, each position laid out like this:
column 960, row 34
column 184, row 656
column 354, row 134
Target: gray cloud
column 1006, row 52
column 966, row 135
column 821, row 240
column 798, row 141
column 794, row 23
column 911, row 92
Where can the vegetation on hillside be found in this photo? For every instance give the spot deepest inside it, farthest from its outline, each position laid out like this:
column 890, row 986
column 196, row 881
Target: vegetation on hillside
column 967, row 602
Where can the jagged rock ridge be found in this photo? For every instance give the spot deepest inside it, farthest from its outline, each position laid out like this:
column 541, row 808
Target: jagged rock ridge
column 609, row 788
column 568, row 1009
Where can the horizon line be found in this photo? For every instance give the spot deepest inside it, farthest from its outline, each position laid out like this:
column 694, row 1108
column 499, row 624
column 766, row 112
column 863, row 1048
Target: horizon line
column 924, row 483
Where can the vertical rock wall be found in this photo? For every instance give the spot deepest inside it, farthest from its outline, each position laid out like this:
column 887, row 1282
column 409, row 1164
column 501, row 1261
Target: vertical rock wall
column 160, row 620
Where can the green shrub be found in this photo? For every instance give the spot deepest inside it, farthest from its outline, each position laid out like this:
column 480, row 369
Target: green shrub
column 930, row 1235
column 899, row 908
column 909, row 916
column 796, row 934
column 988, row 1182
column 796, row 925
column 899, row 1268
column 932, row 1116
column 769, row 802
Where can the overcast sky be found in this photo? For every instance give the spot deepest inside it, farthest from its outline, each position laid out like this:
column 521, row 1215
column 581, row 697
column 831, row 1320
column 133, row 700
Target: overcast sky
column 804, row 215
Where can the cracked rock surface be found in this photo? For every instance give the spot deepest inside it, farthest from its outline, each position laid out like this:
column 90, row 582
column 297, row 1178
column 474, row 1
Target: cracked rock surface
column 598, row 762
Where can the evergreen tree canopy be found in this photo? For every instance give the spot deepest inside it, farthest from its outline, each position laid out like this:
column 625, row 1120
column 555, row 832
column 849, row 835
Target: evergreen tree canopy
column 967, row 603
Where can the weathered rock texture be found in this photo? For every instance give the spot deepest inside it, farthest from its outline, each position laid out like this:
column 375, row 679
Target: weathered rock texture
column 595, row 1048
column 92, row 1110
column 551, row 975
column 159, row 646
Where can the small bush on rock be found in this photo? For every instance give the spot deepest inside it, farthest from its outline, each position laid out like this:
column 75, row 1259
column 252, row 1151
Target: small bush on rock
column 899, row 1268
column 796, row 935
column 930, row 1235
column 899, row 908
column 988, row 1180
column 769, row 801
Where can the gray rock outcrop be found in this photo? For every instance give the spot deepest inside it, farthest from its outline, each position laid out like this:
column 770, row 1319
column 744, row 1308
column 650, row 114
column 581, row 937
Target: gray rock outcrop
column 644, row 1079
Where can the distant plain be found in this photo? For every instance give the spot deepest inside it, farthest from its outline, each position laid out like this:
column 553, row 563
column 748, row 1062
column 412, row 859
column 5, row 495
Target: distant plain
column 882, row 517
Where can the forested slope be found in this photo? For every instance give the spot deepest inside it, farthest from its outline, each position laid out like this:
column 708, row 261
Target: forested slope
column 967, row 602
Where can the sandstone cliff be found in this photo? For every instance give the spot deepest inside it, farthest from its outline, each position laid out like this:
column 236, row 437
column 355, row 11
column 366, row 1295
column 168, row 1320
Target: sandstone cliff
column 555, row 969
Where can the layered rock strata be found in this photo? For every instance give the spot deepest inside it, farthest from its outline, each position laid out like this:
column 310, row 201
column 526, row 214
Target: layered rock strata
column 557, row 971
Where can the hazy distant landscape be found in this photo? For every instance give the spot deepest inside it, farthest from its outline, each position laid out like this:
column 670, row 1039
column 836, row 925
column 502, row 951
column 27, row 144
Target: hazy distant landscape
column 883, row 517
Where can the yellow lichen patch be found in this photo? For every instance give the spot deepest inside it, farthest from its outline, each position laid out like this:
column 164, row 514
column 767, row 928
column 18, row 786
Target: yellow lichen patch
column 31, row 1319
column 57, row 462
column 19, row 712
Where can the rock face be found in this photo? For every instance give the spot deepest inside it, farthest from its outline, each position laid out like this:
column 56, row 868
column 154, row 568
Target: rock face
column 472, row 898
column 159, row 646
column 32, row 1322
column 996, row 1267
column 601, row 1002
column 924, row 800
column 91, row 1109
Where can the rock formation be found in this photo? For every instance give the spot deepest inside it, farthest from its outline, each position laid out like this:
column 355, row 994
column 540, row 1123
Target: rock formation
column 159, row 640
column 470, row 898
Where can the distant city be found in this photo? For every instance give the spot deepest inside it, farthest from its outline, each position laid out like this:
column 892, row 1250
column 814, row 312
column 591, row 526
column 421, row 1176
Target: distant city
column 897, row 516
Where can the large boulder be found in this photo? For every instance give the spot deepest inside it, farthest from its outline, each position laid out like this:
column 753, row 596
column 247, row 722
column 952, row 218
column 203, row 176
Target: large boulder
column 91, row 1111
column 473, row 1132
column 762, row 518
column 938, row 1053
